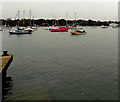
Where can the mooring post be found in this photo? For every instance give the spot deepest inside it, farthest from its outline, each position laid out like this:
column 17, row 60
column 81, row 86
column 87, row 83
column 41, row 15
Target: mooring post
column 5, row 53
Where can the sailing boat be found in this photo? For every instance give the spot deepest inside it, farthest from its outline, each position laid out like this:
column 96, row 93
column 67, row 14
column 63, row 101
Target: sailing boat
column 75, row 29
column 20, row 30
column 75, row 26
column 59, row 29
column 32, row 28
column 53, row 23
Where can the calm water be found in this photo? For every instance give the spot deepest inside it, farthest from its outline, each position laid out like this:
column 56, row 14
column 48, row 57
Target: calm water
column 57, row 66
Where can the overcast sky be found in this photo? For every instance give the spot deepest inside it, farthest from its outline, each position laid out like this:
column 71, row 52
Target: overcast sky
column 84, row 10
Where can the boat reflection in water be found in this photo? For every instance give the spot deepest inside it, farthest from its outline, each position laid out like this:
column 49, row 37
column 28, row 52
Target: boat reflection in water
column 6, row 87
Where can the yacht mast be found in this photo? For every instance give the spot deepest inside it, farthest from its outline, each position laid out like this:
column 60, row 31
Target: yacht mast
column 66, row 19
column 18, row 14
column 53, row 19
column 24, row 17
column 18, row 17
column 75, row 18
column 33, row 21
column 30, row 17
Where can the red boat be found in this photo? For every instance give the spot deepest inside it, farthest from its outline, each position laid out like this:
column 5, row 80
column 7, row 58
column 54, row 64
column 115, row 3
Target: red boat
column 60, row 29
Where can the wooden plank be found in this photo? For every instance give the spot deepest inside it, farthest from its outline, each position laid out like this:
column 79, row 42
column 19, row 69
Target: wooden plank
column 5, row 62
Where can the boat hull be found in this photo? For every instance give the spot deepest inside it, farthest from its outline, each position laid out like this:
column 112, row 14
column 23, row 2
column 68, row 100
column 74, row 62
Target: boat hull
column 20, row 32
column 54, row 30
column 78, row 33
column 75, row 32
column 60, row 29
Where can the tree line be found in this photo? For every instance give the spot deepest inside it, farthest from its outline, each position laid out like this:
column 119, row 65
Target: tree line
column 50, row 22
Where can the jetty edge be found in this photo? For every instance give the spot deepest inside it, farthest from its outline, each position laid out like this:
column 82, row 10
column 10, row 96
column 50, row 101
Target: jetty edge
column 5, row 61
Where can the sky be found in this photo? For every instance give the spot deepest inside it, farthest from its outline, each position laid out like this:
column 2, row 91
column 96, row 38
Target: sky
column 85, row 9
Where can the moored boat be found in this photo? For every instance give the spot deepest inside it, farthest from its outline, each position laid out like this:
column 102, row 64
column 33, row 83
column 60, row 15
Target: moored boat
column 63, row 29
column 34, row 28
column 104, row 26
column 30, row 29
column 78, row 32
column 60, row 29
column 20, row 31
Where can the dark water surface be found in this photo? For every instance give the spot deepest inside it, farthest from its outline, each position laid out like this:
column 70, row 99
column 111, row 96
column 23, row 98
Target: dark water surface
column 57, row 66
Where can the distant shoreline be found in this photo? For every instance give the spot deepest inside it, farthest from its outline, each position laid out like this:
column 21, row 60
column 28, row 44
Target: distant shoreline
column 51, row 22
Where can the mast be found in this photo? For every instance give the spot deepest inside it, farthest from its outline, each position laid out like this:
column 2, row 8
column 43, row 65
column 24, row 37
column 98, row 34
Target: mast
column 33, row 21
column 75, row 18
column 18, row 17
column 53, row 19
column 30, row 17
column 18, row 14
column 24, row 17
column 66, row 19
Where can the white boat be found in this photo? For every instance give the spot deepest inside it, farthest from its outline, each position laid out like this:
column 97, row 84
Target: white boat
column 33, row 27
column 20, row 31
column 104, row 26
column 29, row 29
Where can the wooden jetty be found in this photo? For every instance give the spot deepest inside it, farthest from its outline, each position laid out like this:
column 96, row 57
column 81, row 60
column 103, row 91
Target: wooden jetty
column 5, row 61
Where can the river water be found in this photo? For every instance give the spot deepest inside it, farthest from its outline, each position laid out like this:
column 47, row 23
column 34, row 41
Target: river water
column 59, row 66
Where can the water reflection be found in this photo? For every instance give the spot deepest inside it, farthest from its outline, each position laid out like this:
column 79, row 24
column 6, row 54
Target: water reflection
column 6, row 87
